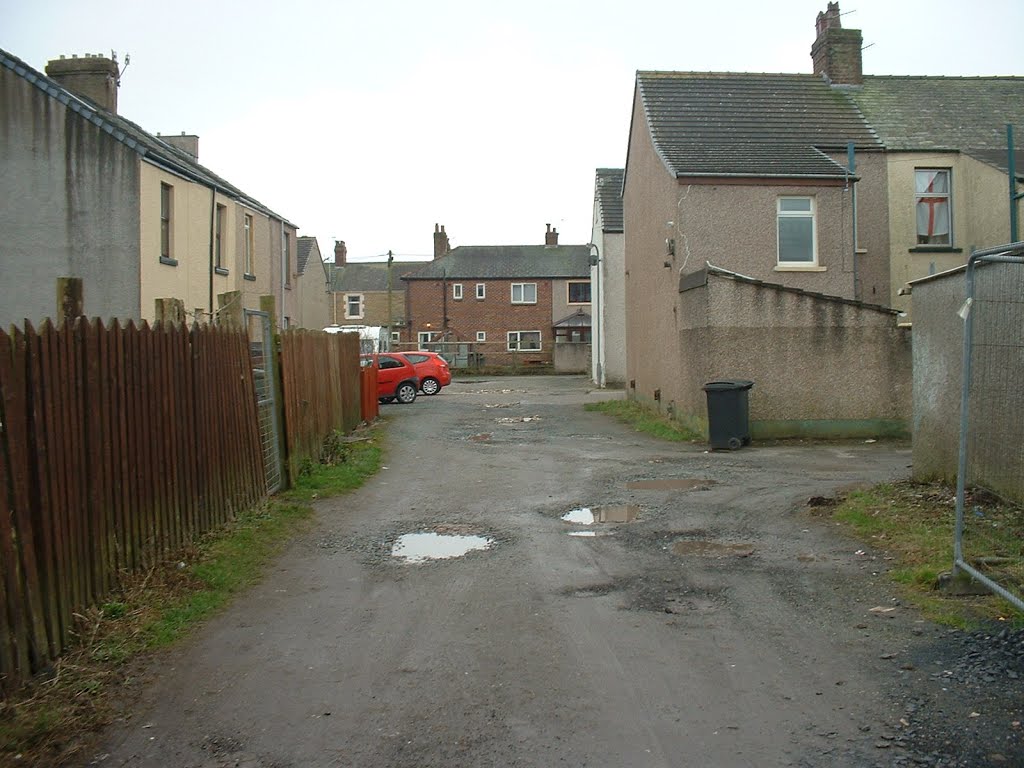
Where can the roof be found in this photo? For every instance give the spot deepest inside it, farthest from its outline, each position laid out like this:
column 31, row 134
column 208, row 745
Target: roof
column 608, row 196
column 942, row 113
column 696, row 279
column 304, row 247
column 750, row 125
column 151, row 148
column 578, row 319
column 504, row 262
column 370, row 276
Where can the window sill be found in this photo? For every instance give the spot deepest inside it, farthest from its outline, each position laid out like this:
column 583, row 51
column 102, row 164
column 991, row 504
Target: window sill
column 935, row 249
column 247, row 276
column 220, row 271
column 799, row 268
column 168, row 262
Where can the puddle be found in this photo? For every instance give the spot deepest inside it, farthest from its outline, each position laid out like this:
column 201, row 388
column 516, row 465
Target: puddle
column 583, row 533
column 482, row 437
column 590, row 515
column 420, row 547
column 517, row 419
column 686, row 484
column 711, row 548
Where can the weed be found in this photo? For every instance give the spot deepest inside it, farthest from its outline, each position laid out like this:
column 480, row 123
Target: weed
column 643, row 419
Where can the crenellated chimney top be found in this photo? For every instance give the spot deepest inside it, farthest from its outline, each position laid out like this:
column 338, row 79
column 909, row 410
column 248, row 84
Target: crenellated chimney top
column 93, row 77
column 551, row 237
column 836, row 52
column 441, row 244
column 340, row 253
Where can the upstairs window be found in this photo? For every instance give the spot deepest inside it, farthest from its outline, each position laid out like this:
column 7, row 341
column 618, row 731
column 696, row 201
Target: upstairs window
column 166, row 213
column 286, row 259
column 931, row 199
column 353, row 306
column 524, row 293
column 796, row 232
column 219, row 238
column 481, row 290
column 248, row 245
column 481, row 336
column 457, row 291
column 579, row 292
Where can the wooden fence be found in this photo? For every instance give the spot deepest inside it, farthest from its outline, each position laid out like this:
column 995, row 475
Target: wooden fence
column 117, row 445
column 321, row 386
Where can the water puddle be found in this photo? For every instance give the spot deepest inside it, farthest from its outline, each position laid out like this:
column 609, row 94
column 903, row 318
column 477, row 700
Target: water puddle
column 482, row 437
column 583, row 533
column 711, row 548
column 682, row 484
column 420, row 547
column 517, row 419
column 589, row 515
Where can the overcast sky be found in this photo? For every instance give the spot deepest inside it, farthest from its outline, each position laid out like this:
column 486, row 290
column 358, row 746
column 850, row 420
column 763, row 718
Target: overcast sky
column 371, row 121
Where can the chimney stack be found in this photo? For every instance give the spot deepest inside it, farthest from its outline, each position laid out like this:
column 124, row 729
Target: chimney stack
column 340, row 253
column 551, row 237
column 836, row 52
column 187, row 143
column 93, row 77
column 441, row 245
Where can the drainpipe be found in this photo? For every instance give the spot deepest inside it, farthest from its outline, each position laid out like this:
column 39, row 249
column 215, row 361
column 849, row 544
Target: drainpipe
column 1011, row 166
column 852, row 169
column 213, row 232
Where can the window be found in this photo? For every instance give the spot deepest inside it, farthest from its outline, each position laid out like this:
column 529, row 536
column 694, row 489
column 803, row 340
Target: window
column 579, row 292
column 524, row 293
column 353, row 306
column 218, row 240
column 574, row 334
column 248, row 246
column 396, row 336
column 481, row 290
column 286, row 259
column 389, row 362
column 166, row 213
column 481, row 335
column 457, row 291
column 423, row 337
column 523, row 341
column 796, row 231
column 414, row 358
column 931, row 198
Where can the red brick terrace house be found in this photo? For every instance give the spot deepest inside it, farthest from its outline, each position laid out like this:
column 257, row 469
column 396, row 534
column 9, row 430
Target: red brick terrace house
column 503, row 305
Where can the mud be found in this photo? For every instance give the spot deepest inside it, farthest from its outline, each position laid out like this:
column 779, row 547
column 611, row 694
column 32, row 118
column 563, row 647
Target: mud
column 546, row 649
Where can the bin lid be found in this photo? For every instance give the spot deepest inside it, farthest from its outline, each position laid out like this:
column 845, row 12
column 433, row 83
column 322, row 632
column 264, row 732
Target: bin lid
column 727, row 385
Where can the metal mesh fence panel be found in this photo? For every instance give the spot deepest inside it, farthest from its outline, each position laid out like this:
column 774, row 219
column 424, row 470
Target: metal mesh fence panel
column 261, row 349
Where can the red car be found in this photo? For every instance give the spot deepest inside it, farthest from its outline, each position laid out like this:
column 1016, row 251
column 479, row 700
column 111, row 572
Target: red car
column 432, row 370
column 396, row 377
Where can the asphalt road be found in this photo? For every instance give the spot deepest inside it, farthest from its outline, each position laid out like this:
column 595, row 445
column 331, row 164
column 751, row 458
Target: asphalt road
column 725, row 626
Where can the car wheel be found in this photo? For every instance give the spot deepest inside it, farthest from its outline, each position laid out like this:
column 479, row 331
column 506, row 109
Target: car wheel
column 405, row 393
column 430, row 386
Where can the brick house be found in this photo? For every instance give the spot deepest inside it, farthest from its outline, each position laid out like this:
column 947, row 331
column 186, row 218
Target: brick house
column 368, row 293
column 506, row 304
column 91, row 195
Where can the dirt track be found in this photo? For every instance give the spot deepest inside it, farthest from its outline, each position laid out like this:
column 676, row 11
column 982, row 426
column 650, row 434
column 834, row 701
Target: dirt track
column 726, row 626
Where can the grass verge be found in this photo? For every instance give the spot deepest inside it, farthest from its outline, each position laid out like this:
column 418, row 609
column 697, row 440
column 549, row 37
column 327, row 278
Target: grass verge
column 645, row 420
column 49, row 722
column 913, row 524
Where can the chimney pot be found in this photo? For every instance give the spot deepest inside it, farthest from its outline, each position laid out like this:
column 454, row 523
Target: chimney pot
column 340, row 253
column 836, row 52
column 441, row 244
column 92, row 77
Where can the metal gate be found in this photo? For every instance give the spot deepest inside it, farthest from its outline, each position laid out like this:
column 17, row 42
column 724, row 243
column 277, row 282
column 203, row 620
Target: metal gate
column 990, row 472
column 261, row 349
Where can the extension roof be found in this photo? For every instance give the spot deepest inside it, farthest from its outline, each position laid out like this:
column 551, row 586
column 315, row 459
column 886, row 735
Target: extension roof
column 965, row 114
column 750, row 125
column 505, row 262
column 303, row 248
column 608, row 195
column 371, row 276
column 151, row 148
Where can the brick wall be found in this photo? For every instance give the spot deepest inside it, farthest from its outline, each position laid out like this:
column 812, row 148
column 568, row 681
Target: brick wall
column 375, row 308
column 495, row 315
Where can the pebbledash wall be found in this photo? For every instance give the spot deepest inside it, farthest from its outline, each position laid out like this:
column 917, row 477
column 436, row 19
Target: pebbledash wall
column 996, row 405
column 821, row 366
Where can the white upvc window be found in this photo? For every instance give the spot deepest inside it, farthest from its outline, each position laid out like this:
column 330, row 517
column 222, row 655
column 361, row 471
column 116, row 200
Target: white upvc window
column 457, row 291
column 524, row 293
column 481, row 335
column 396, row 336
column 578, row 291
column 932, row 205
column 353, row 306
column 524, row 341
column 481, row 291
column 423, row 337
column 797, row 232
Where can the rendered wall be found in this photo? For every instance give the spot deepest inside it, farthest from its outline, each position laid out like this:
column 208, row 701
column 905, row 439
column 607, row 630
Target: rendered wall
column 996, row 405
column 70, row 207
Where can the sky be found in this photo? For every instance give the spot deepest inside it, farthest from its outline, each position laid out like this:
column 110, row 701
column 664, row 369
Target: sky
column 372, row 121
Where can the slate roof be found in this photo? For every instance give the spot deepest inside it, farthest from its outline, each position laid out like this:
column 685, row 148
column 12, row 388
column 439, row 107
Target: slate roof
column 371, row 276
column 750, row 125
column 507, row 262
column 968, row 114
column 152, row 148
column 303, row 248
column 608, row 195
